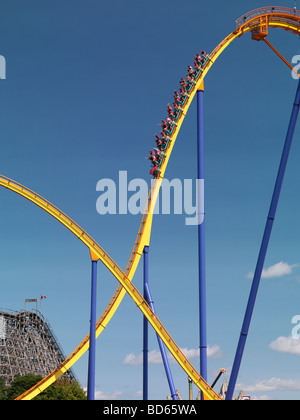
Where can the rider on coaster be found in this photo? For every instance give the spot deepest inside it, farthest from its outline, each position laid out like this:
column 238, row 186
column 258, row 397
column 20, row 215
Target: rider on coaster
column 154, row 171
column 204, row 56
column 152, row 157
column 159, row 142
column 170, row 111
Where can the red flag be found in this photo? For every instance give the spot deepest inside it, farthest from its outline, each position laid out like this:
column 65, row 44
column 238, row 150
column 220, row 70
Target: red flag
column 43, row 297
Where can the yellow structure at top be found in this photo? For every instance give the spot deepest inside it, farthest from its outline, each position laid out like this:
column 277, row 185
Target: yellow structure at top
column 257, row 22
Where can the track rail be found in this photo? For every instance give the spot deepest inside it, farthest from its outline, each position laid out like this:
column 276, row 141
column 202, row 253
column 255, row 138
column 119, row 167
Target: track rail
column 123, row 280
column 283, row 18
column 272, row 11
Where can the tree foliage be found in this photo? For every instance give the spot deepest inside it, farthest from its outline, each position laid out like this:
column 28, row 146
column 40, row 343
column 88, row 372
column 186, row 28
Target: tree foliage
column 62, row 389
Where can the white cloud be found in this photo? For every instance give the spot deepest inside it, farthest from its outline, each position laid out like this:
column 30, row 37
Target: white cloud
column 273, row 384
column 117, row 395
column 286, row 345
column 262, row 398
column 154, row 356
column 114, row 395
column 133, row 360
column 213, row 352
column 277, row 270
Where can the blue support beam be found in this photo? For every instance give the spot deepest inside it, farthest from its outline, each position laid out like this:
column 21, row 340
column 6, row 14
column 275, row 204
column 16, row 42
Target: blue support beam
column 264, row 246
column 92, row 346
column 148, row 298
column 201, row 235
column 145, row 330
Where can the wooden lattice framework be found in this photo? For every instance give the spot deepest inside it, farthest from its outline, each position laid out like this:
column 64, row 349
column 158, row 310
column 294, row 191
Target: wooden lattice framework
column 28, row 345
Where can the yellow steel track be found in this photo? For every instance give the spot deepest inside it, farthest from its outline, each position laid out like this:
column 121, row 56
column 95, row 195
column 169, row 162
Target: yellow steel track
column 279, row 18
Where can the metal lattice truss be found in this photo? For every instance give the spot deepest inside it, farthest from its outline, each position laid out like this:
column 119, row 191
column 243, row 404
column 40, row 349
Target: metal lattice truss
column 28, row 345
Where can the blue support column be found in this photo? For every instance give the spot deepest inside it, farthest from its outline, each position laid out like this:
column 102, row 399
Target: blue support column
column 92, row 346
column 148, row 298
column 145, row 330
column 264, row 246
column 201, row 235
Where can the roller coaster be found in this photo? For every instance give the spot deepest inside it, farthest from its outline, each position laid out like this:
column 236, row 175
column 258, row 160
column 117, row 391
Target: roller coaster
column 257, row 22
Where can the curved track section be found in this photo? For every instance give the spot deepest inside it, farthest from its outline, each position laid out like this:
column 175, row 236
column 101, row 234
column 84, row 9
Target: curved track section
column 276, row 17
column 100, row 254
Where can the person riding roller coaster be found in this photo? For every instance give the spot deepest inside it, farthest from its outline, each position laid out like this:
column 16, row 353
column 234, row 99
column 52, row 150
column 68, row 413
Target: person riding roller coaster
column 183, row 94
column 164, row 137
column 170, row 111
column 156, row 161
column 183, row 83
column 177, row 100
column 191, row 71
column 176, row 97
column 152, row 157
column 189, row 81
column 167, row 125
column 169, row 122
column 158, row 154
column 200, row 60
column 190, row 77
column 159, row 142
column 154, row 171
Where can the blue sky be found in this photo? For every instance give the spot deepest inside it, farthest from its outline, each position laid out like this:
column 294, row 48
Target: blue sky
column 87, row 84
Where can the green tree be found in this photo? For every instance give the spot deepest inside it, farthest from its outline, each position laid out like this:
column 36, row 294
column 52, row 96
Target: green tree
column 21, row 384
column 2, row 389
column 62, row 389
